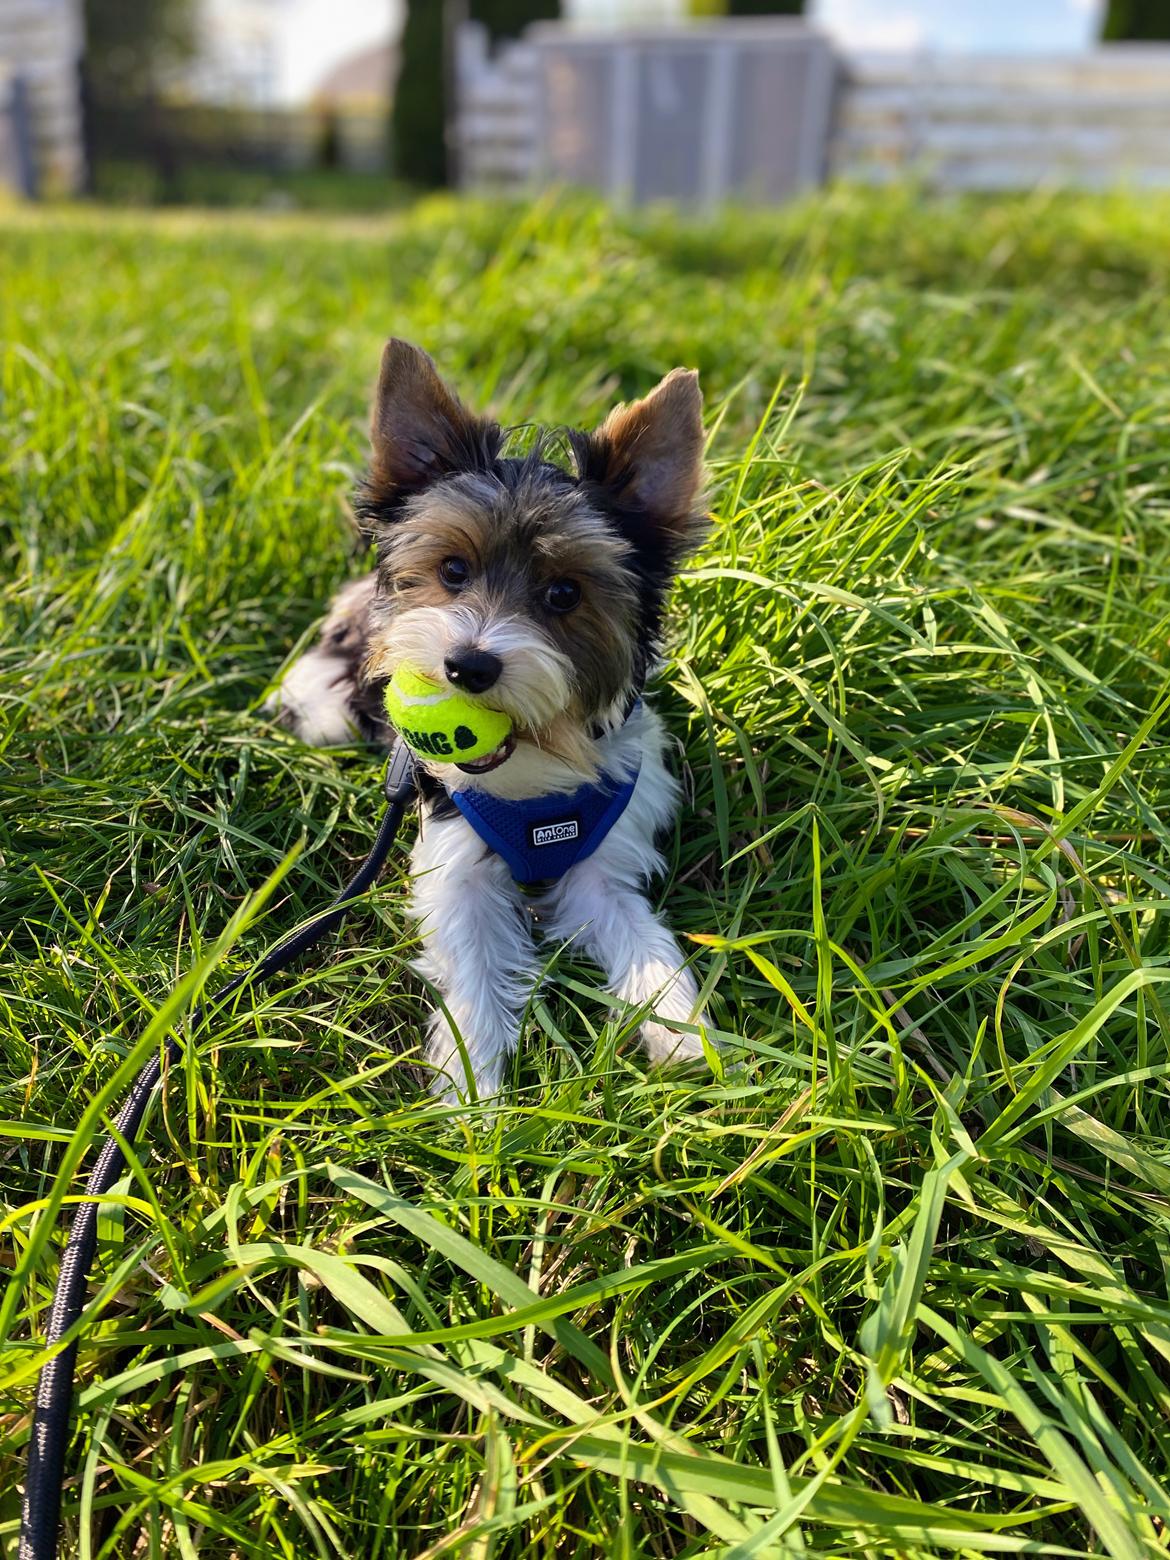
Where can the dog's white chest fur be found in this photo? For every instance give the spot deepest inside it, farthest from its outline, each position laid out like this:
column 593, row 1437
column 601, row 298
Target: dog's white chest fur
column 478, row 947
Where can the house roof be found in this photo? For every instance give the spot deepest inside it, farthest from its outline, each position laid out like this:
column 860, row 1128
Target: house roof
column 366, row 76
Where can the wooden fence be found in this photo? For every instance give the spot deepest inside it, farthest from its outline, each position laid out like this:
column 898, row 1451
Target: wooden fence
column 956, row 122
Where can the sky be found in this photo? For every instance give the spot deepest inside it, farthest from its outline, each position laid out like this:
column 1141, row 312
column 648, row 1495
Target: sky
column 292, row 44
column 323, row 33
column 983, row 26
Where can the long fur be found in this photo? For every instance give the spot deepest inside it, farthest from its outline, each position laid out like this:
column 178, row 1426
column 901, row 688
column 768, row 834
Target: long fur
column 616, row 527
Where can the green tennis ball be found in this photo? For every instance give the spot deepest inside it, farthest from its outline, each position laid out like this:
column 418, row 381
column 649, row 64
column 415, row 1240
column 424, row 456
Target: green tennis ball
column 440, row 722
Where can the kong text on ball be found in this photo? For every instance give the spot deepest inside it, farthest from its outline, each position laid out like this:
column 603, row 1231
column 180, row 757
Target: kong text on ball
column 438, row 722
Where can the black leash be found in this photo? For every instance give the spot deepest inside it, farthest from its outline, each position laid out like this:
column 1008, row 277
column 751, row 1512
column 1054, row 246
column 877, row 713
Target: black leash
column 50, row 1426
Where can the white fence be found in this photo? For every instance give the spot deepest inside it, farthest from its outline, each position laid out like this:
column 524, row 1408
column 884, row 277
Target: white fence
column 498, row 114
column 1007, row 123
column 40, row 44
column 722, row 110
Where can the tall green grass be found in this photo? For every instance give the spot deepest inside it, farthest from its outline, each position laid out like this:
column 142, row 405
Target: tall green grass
column 894, row 1281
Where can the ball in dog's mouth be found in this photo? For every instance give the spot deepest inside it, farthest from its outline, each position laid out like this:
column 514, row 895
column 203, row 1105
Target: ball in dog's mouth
column 492, row 760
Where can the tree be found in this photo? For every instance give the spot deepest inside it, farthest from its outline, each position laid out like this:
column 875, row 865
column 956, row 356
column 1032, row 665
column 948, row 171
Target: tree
column 132, row 48
column 1136, row 21
column 509, row 18
column 419, row 117
column 132, row 51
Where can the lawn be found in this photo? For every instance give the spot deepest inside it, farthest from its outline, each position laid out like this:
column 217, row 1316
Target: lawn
column 895, row 1280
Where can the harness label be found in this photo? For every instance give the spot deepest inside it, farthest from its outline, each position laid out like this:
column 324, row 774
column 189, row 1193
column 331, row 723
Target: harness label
column 555, row 833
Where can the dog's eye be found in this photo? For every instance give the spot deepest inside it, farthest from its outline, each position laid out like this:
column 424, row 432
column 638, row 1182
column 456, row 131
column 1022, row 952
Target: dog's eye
column 454, row 573
column 562, row 595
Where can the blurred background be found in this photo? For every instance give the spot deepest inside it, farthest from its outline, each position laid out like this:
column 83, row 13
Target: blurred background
column 361, row 103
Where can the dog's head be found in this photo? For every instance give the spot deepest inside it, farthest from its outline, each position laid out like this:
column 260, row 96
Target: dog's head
column 533, row 588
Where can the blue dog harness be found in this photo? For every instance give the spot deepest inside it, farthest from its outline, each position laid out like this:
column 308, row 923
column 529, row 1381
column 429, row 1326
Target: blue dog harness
column 541, row 837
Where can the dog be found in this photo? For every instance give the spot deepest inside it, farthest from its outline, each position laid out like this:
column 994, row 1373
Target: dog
column 538, row 590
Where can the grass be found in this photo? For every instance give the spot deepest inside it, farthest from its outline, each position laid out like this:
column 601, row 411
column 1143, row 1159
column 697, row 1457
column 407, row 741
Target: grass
column 896, row 1280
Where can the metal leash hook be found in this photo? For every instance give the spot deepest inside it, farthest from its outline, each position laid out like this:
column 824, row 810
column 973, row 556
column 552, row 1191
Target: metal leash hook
column 41, row 1515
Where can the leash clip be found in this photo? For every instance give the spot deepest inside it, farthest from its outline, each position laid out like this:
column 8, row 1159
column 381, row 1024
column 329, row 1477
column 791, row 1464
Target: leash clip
column 399, row 781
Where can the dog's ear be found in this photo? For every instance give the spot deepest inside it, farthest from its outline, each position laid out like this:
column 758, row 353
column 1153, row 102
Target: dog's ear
column 420, row 429
column 647, row 458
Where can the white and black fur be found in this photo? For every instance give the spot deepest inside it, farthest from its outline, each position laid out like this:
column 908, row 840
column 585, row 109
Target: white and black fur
column 540, row 591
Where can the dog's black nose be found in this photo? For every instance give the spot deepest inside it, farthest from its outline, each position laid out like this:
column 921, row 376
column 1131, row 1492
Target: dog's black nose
column 473, row 670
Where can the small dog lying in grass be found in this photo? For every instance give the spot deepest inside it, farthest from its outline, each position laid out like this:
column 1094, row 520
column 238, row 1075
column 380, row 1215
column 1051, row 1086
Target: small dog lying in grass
column 540, row 592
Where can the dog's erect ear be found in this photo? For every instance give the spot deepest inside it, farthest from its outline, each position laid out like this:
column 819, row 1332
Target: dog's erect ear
column 648, row 459
column 420, row 428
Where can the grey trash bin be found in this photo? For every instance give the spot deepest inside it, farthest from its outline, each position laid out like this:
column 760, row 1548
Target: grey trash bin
column 693, row 115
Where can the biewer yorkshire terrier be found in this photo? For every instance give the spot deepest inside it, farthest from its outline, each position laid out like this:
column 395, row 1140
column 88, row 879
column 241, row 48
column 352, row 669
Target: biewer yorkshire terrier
column 538, row 592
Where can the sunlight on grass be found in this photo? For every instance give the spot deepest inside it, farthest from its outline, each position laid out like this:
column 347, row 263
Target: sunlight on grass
column 896, row 1281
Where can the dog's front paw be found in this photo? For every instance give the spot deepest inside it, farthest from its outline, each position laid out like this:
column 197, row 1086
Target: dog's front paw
column 449, row 1063
column 672, row 996
column 663, row 1044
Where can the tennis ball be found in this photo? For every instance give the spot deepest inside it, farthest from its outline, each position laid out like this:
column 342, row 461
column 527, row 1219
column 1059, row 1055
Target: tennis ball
column 440, row 722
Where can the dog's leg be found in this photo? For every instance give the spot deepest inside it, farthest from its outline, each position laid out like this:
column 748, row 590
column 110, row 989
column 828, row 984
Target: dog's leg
column 322, row 696
column 611, row 921
column 477, row 950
